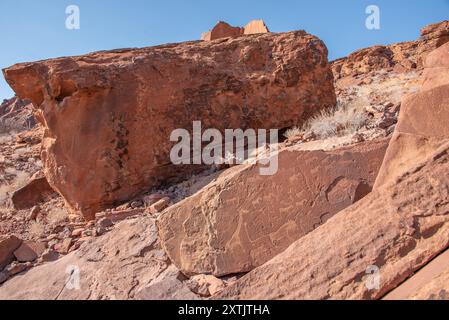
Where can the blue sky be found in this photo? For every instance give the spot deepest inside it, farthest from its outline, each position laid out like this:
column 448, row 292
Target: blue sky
column 33, row 30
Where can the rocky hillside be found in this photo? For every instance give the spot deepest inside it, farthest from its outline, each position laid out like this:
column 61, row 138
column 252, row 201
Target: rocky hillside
column 362, row 179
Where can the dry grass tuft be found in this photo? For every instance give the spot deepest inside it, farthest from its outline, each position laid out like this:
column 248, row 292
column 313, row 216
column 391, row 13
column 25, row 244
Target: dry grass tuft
column 339, row 121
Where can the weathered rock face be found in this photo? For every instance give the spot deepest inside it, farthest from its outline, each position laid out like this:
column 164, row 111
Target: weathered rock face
column 119, row 265
column 398, row 229
column 243, row 219
column 109, row 115
column 422, row 126
column 399, row 57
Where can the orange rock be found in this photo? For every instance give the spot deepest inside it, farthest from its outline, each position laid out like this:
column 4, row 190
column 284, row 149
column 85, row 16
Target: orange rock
column 107, row 133
column 403, row 57
column 255, row 27
column 125, row 264
column 8, row 244
column 243, row 219
column 160, row 205
column 393, row 231
column 438, row 31
column 222, row 30
column 36, row 191
column 29, row 251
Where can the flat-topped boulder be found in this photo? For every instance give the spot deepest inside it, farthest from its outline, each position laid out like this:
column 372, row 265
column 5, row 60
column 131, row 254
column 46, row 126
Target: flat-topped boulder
column 108, row 116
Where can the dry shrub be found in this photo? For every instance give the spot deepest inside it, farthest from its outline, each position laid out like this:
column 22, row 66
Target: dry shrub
column 339, row 121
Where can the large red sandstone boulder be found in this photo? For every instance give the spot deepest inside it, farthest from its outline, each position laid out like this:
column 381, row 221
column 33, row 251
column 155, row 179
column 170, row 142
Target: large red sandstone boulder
column 366, row 250
column 243, row 219
column 422, row 125
column 109, row 115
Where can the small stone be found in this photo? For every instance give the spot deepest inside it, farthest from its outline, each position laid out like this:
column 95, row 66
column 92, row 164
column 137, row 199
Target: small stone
column 105, row 223
column 64, row 246
column 50, row 255
column 153, row 198
column 25, row 253
column 15, row 268
column 205, row 285
column 137, row 204
column 388, row 105
column 122, row 207
column 160, row 205
column 52, row 237
column 86, row 233
column 34, row 213
column 52, row 243
column 77, row 233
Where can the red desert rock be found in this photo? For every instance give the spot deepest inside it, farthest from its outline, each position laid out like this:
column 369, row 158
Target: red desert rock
column 243, row 219
column 8, row 244
column 422, row 125
column 118, row 265
column 222, row 30
column 109, row 115
column 255, row 27
column 403, row 56
column 396, row 230
column 36, row 191
column 29, row 251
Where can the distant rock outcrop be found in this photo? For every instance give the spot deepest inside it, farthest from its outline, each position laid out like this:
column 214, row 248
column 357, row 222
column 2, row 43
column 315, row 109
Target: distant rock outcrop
column 255, row 27
column 108, row 116
column 397, row 57
column 224, row 30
